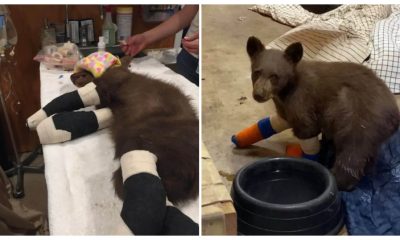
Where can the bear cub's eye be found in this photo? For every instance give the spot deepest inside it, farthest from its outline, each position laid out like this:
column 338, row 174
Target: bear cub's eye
column 257, row 73
column 273, row 76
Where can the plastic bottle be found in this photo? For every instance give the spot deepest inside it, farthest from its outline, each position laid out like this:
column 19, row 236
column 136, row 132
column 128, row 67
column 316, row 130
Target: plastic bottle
column 101, row 46
column 3, row 35
column 8, row 33
column 48, row 35
column 124, row 22
column 109, row 28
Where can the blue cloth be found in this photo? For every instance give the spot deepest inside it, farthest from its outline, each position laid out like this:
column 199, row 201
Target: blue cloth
column 187, row 66
column 373, row 208
column 1, row 21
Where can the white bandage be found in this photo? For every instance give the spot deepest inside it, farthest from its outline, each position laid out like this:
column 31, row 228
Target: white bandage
column 278, row 124
column 310, row 146
column 104, row 117
column 89, row 95
column 48, row 134
column 36, row 118
column 138, row 161
column 168, row 203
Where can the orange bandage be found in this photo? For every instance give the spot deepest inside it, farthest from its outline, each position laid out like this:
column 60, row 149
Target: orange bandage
column 263, row 129
column 247, row 136
column 294, row 150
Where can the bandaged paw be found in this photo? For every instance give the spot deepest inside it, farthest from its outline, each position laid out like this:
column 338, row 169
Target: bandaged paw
column 177, row 223
column 89, row 95
column 310, row 148
column 83, row 97
column 263, row 129
column 36, row 118
column 48, row 133
column 138, row 161
column 144, row 208
column 67, row 126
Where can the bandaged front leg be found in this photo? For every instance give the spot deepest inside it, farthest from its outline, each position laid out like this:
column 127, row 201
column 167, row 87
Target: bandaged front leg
column 67, row 126
column 144, row 206
column 83, row 97
column 265, row 128
column 310, row 148
column 145, row 209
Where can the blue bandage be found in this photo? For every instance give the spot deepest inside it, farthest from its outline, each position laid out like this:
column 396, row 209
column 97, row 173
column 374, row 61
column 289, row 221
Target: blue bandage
column 313, row 157
column 234, row 140
column 266, row 128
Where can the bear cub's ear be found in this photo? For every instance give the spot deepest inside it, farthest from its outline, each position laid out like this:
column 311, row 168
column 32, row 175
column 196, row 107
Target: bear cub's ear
column 254, row 46
column 126, row 60
column 294, row 52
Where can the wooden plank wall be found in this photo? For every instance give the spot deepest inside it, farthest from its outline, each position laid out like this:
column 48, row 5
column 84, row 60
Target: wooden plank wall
column 29, row 20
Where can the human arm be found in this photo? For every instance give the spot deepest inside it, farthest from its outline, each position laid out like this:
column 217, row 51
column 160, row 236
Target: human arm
column 178, row 21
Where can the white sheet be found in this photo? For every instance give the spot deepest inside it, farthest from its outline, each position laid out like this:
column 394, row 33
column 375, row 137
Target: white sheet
column 78, row 173
column 342, row 34
column 385, row 55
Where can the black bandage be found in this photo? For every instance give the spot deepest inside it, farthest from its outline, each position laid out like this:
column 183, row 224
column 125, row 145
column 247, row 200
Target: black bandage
column 144, row 205
column 177, row 223
column 77, row 123
column 64, row 103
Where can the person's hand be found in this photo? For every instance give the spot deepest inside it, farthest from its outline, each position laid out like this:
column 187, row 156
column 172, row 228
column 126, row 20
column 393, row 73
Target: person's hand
column 191, row 43
column 134, row 44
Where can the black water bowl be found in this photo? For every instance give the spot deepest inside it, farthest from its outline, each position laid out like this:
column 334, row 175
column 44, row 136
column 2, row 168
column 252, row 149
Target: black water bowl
column 286, row 196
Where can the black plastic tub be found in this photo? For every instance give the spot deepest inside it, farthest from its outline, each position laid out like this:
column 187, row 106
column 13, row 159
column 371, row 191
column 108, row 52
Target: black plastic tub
column 286, row 196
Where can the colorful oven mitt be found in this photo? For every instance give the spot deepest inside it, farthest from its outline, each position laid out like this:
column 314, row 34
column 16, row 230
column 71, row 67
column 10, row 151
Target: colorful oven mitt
column 97, row 63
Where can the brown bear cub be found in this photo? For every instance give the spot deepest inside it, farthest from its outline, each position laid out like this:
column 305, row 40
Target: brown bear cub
column 155, row 116
column 344, row 101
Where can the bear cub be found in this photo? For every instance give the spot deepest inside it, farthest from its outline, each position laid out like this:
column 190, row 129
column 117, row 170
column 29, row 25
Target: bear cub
column 344, row 101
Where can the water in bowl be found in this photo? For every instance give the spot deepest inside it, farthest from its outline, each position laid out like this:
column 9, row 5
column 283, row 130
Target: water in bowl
column 284, row 187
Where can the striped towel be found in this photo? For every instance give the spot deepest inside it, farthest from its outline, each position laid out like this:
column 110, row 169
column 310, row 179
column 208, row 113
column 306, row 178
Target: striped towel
column 342, row 34
column 385, row 55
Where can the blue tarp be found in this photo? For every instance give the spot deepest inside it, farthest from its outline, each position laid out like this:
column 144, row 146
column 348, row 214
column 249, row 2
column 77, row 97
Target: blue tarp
column 373, row 208
column 1, row 21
